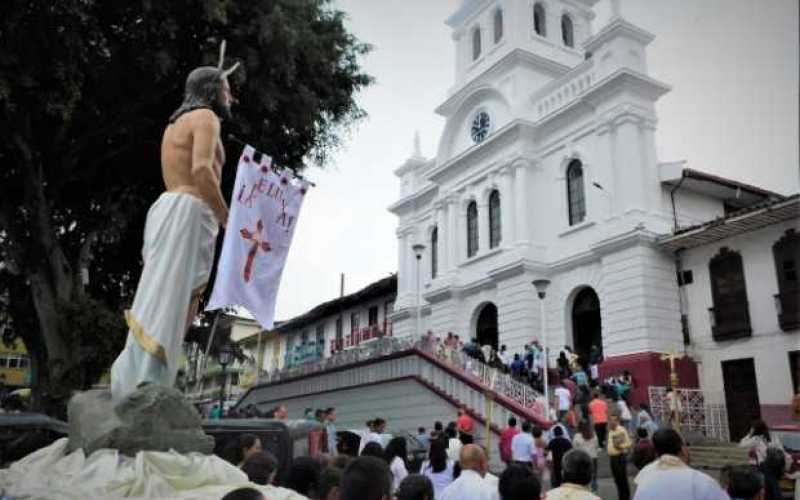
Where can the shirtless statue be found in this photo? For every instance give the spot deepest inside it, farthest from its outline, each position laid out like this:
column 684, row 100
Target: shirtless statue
column 179, row 235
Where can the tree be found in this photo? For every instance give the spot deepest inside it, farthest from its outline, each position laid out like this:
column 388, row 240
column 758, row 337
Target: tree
column 85, row 90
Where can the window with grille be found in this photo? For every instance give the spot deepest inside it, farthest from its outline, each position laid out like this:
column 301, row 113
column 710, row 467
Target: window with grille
column 372, row 317
column 498, row 25
column 472, row 229
column 575, row 195
column 786, row 252
column 354, row 320
column 539, row 25
column 730, row 317
column 567, row 32
column 434, row 252
column 495, row 233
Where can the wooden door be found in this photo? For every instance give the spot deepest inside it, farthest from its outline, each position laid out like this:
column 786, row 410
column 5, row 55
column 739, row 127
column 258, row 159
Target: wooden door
column 741, row 395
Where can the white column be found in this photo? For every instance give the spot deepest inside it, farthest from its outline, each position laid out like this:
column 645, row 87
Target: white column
column 402, row 271
column 461, row 229
column 506, row 208
column 483, row 226
column 521, row 202
column 452, row 233
column 442, row 230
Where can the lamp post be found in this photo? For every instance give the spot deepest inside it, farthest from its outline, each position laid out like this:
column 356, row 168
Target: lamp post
column 541, row 289
column 418, row 249
column 225, row 357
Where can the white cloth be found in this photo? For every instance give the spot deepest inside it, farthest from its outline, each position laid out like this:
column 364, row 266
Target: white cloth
column 563, row 398
column 263, row 216
column 49, row 473
column 399, row 472
column 624, row 411
column 440, row 480
column 178, row 252
column 469, row 486
column 669, row 474
column 568, row 491
column 454, row 449
column 589, row 446
column 523, row 449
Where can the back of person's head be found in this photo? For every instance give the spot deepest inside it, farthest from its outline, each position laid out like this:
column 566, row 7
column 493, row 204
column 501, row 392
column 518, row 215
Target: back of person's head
column 340, row 461
column 641, row 433
column 396, row 448
column 558, row 431
column 667, row 442
column 450, row 432
column 244, row 494
column 512, row 422
column 577, row 467
column 438, row 455
column 744, row 482
column 366, row 478
column 586, row 429
column 513, row 474
column 438, row 426
column 261, row 467
column 774, row 462
column 537, row 431
column 329, row 482
column 760, row 429
column 415, row 487
column 420, row 430
column 373, row 449
column 472, row 457
column 304, row 476
column 526, row 426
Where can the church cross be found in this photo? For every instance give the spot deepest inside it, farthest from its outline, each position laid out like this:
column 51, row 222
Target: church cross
column 258, row 243
column 673, row 375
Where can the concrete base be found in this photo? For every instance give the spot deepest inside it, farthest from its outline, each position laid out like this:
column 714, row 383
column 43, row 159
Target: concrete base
column 153, row 418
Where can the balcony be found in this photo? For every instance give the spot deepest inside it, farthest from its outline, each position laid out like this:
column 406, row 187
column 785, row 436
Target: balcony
column 730, row 320
column 358, row 337
column 786, row 305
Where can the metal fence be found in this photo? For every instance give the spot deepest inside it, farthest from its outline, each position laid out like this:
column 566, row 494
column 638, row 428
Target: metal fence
column 701, row 412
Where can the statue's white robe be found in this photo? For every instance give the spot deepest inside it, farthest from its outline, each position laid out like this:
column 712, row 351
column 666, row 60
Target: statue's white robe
column 179, row 237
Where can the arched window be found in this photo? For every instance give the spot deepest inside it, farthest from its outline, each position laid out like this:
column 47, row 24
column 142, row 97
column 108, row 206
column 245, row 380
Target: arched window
column 495, row 234
column 575, row 199
column 498, row 25
column 476, row 43
column 730, row 318
column 472, row 229
column 539, row 23
column 567, row 33
column 786, row 252
column 434, row 252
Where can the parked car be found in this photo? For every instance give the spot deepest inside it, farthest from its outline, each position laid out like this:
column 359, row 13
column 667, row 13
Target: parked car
column 351, row 442
column 284, row 439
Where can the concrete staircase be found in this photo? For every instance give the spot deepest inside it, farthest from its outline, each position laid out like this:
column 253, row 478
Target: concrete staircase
column 404, row 382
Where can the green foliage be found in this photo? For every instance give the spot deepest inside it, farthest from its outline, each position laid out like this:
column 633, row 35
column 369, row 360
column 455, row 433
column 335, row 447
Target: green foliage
column 86, row 87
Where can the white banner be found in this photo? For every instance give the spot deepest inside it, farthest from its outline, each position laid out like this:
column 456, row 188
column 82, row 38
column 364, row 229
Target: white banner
column 261, row 223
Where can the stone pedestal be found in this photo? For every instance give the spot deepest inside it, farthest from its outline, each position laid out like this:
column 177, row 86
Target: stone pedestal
column 153, row 418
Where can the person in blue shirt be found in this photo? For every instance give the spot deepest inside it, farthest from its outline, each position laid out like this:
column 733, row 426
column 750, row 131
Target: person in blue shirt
column 517, row 366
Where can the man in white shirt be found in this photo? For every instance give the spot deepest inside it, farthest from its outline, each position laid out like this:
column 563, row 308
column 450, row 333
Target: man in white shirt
column 471, row 485
column 564, row 401
column 671, row 473
column 523, row 448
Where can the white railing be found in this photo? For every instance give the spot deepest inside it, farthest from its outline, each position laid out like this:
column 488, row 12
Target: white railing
column 488, row 377
column 566, row 89
column 700, row 411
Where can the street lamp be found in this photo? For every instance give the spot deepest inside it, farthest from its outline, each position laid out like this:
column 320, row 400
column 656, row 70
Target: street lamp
column 541, row 288
column 225, row 357
column 418, row 249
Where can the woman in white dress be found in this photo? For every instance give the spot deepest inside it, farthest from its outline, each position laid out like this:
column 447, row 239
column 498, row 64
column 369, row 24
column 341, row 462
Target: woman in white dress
column 438, row 468
column 396, row 455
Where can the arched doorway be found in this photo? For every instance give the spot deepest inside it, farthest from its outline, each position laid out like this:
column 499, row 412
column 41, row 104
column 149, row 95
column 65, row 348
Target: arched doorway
column 486, row 327
column 586, row 331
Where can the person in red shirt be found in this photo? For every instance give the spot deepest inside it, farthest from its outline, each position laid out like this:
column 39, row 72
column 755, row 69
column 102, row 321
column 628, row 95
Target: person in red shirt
column 465, row 426
column 598, row 409
column 505, row 439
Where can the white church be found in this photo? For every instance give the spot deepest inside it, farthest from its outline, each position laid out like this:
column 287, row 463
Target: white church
column 547, row 170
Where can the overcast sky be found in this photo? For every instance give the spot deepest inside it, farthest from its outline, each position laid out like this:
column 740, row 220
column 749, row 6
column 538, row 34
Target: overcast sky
column 733, row 111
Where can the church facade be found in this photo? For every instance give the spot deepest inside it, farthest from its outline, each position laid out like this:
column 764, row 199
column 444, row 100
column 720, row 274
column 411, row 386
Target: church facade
column 547, row 169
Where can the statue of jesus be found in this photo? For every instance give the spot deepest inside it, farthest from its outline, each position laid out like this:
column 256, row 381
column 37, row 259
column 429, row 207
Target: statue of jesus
column 179, row 234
